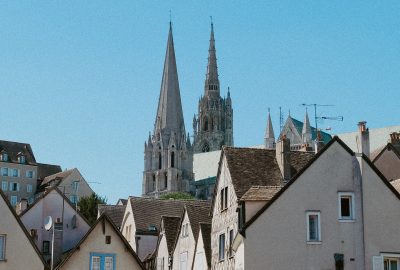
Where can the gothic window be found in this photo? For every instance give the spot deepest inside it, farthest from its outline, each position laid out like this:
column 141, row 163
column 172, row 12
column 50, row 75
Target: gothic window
column 159, row 161
column 205, row 148
column 166, row 181
column 205, row 124
column 172, row 159
column 153, row 183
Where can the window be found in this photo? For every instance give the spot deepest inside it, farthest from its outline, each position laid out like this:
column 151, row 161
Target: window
column 230, row 243
column 101, row 261
column 75, row 185
column 166, row 180
column 391, row 264
column 14, row 200
column 4, row 171
column 159, row 161
column 346, row 206
column 29, row 174
column 221, row 247
column 4, row 157
column 185, row 229
column 313, row 227
column 29, row 188
column 4, row 185
column 21, row 159
column 15, row 172
column 46, row 247
column 14, row 186
column 172, row 159
column 2, row 247
column 73, row 199
column 224, row 198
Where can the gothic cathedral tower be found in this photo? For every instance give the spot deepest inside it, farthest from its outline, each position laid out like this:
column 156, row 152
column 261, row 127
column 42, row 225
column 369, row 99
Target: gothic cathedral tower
column 213, row 126
column 168, row 153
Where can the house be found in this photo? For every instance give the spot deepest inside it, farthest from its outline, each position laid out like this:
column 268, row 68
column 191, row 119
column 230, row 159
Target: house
column 17, row 250
column 165, row 248
column 202, row 258
column 387, row 158
column 53, row 203
column 239, row 170
column 71, row 182
column 103, row 247
column 185, row 245
column 20, row 172
column 338, row 212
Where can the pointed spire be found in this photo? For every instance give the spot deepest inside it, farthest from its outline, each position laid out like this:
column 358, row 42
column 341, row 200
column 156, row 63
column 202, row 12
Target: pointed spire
column 211, row 86
column 169, row 112
column 269, row 138
column 306, row 132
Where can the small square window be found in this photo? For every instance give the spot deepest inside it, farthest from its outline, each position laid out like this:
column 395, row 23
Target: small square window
column 46, row 247
column 108, row 239
column 29, row 174
column 4, row 171
column 14, row 200
column 346, row 206
column 15, row 172
column 313, row 227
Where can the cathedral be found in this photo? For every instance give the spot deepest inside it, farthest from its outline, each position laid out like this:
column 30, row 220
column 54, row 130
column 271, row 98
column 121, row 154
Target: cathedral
column 168, row 151
column 213, row 126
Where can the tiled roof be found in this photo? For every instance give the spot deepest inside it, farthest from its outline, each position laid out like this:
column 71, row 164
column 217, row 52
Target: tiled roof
column 114, row 212
column 396, row 184
column 198, row 213
column 60, row 175
column 258, row 167
column 299, row 126
column 171, row 227
column 260, row 193
column 148, row 211
column 123, row 201
column 206, row 234
column 13, row 149
column 45, row 170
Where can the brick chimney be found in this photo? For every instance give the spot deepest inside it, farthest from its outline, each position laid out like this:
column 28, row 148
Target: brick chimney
column 363, row 138
column 395, row 138
column 319, row 142
column 283, row 157
column 21, row 206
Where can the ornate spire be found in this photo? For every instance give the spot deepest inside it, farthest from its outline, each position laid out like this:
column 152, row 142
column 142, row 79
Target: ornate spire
column 269, row 138
column 169, row 113
column 211, row 86
column 306, row 132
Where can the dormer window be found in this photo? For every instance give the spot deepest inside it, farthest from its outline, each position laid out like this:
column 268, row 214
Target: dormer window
column 21, row 159
column 4, row 156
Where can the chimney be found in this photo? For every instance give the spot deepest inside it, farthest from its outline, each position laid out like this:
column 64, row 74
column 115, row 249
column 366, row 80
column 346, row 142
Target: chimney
column 21, row 206
column 363, row 138
column 395, row 138
column 58, row 240
column 319, row 142
column 283, row 157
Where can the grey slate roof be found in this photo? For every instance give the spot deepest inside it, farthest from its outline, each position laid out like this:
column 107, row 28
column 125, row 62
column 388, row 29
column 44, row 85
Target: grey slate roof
column 171, row 227
column 206, row 234
column 114, row 212
column 198, row 213
column 45, row 170
column 260, row 193
column 60, row 176
column 148, row 211
column 258, row 167
column 13, row 149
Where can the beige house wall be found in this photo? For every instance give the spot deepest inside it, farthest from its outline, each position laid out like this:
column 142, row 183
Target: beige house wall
column 278, row 237
column 184, row 244
column 252, row 207
column 200, row 260
column 162, row 254
column 128, row 224
column 20, row 254
column 223, row 221
column 389, row 164
column 83, row 190
column 22, row 180
column 381, row 217
column 95, row 243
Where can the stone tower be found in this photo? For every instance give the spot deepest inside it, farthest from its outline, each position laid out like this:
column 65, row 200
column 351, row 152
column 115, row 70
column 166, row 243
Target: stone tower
column 213, row 126
column 269, row 138
column 168, row 153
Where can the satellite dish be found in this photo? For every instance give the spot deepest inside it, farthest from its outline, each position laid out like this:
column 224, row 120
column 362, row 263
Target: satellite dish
column 48, row 223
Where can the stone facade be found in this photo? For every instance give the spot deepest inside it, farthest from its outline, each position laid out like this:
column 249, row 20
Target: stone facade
column 213, row 126
column 168, row 153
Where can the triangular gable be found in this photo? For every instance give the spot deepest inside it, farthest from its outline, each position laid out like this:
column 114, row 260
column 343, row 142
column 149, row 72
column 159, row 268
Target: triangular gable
column 5, row 204
column 390, row 147
column 101, row 222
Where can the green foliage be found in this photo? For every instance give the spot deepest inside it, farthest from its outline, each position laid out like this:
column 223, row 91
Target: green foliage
column 88, row 206
column 177, row 196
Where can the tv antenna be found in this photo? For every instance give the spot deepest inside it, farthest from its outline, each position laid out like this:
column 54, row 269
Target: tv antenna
column 316, row 117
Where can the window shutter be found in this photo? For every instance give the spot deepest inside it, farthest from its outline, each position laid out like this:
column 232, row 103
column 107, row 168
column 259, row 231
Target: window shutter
column 377, row 263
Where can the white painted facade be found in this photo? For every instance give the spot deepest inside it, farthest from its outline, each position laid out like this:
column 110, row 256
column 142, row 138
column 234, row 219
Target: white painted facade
column 185, row 246
column 162, row 253
column 200, row 260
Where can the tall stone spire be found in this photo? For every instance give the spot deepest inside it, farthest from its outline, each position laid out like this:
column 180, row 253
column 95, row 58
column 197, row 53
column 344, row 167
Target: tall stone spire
column 269, row 139
column 306, row 132
column 169, row 113
column 211, row 86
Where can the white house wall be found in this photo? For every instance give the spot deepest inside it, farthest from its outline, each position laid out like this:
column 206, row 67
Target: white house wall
column 200, row 260
column 184, row 244
column 162, row 254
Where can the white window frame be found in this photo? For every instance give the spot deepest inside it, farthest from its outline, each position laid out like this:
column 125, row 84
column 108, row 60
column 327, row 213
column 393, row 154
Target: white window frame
column 221, row 247
column 4, row 171
column 308, row 214
column 29, row 188
column 3, row 239
column 4, row 185
column 12, row 199
column 29, row 174
column 379, row 261
column 352, row 208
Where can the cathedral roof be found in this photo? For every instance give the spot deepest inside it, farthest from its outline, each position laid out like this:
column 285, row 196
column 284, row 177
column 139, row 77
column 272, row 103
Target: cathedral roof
column 269, row 131
column 299, row 126
column 169, row 113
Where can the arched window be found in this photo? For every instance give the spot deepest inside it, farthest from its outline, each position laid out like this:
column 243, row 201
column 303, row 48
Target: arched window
column 153, row 183
column 159, row 161
column 172, row 159
column 205, row 148
column 166, row 181
column 205, row 124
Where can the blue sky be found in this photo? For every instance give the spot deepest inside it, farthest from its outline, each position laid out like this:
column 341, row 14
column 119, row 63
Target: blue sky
column 80, row 79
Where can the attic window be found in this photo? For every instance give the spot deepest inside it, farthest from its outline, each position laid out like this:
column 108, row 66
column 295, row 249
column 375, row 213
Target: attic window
column 108, row 239
column 21, row 159
column 152, row 228
column 4, row 156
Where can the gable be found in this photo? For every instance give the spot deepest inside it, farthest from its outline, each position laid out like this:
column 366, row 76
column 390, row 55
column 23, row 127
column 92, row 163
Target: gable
column 388, row 162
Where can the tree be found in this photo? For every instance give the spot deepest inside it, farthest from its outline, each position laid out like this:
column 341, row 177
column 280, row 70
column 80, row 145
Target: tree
column 177, row 196
column 88, row 206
